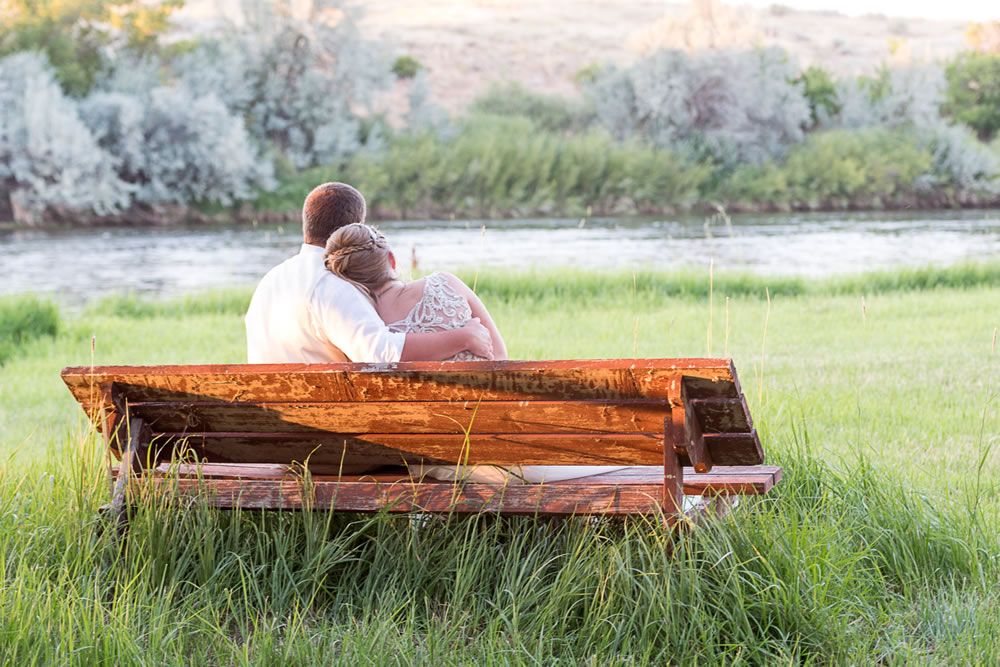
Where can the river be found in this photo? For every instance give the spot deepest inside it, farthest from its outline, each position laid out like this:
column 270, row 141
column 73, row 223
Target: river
column 74, row 266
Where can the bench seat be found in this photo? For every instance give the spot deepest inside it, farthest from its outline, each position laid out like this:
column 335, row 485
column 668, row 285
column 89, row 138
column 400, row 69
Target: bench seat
column 632, row 490
column 285, row 436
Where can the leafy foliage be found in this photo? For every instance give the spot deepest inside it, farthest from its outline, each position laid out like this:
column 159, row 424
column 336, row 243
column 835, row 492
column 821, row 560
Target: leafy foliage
column 48, row 156
column 821, row 92
column 962, row 168
column 494, row 165
column 973, row 95
column 176, row 147
column 406, row 67
column 74, row 34
column 742, row 106
column 548, row 112
column 297, row 83
column 893, row 97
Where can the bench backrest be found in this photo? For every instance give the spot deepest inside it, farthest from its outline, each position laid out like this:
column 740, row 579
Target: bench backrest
column 590, row 412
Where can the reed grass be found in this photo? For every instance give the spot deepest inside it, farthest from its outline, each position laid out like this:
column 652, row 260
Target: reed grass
column 516, row 157
column 879, row 546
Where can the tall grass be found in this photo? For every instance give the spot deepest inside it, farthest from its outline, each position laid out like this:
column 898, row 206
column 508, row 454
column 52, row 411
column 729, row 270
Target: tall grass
column 842, row 565
column 879, row 546
column 22, row 319
column 210, row 302
column 544, row 286
column 502, row 162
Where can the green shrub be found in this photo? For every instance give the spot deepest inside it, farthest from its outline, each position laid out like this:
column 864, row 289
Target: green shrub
column 406, row 67
column 23, row 319
column 875, row 168
column 973, row 93
column 508, row 166
column 821, row 92
column 549, row 112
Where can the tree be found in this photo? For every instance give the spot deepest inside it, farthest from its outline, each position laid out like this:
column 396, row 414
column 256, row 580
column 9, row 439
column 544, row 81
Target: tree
column 973, row 93
column 821, row 92
column 75, row 34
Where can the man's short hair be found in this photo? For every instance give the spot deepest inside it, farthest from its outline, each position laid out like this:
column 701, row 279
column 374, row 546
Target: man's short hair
column 329, row 207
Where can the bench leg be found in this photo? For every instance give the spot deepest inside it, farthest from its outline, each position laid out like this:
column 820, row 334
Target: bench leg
column 673, row 486
column 117, row 509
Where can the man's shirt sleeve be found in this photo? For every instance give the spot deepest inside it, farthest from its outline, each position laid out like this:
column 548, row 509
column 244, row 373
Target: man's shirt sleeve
column 348, row 320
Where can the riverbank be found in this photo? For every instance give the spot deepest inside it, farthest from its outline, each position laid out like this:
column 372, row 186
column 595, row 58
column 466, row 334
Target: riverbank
column 878, row 546
column 516, row 166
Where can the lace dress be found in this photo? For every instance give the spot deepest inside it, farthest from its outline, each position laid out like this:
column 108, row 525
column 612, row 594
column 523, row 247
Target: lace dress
column 440, row 308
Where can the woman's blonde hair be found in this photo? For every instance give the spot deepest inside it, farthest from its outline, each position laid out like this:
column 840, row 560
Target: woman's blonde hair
column 359, row 254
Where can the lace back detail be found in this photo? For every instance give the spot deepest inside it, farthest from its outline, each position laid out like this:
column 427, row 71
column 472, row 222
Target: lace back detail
column 440, row 308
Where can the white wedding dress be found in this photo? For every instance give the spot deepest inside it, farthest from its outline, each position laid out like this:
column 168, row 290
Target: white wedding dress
column 441, row 308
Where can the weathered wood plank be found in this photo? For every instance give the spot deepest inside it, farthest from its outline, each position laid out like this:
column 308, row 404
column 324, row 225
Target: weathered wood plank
column 613, row 416
column 408, row 497
column 694, row 440
column 591, row 498
column 510, row 380
column 396, row 448
column 743, row 480
column 722, row 415
column 734, row 449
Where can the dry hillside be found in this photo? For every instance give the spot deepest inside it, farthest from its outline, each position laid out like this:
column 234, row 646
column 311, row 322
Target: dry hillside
column 468, row 44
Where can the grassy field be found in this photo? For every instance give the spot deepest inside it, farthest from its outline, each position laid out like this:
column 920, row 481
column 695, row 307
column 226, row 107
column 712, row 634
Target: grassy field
column 878, row 394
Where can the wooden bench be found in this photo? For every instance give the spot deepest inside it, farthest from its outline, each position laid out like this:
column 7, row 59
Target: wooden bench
column 250, row 433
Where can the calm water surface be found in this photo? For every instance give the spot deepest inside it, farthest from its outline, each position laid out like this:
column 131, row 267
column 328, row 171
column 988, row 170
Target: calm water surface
column 76, row 266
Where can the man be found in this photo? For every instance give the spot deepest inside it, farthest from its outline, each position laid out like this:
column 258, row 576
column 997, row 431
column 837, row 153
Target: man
column 300, row 312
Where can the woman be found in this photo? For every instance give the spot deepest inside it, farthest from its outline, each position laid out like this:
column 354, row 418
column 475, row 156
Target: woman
column 359, row 254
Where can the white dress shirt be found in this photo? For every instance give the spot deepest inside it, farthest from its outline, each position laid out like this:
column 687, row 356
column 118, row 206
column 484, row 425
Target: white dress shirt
column 300, row 312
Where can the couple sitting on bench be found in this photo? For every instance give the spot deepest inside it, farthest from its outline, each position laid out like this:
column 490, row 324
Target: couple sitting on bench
column 341, row 299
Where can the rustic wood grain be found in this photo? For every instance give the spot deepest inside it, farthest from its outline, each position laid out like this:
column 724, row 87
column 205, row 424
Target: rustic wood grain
column 412, row 381
column 253, row 429
column 485, row 448
column 323, row 449
column 722, row 415
column 723, row 479
column 734, row 449
column 589, row 416
column 409, row 497
column 694, row 441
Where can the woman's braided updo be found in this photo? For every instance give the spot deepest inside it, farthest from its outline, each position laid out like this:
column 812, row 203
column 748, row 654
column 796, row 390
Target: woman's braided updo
column 359, row 254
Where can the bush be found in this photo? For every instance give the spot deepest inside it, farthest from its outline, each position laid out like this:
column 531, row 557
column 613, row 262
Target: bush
column 843, row 169
column 406, row 67
column 742, row 106
column 48, row 156
column 548, row 112
column 298, row 84
column 963, row 171
column 177, row 147
column 973, row 93
column 23, row 319
column 507, row 166
column 898, row 97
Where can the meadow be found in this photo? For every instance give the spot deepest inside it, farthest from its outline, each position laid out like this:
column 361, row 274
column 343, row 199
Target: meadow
column 878, row 394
